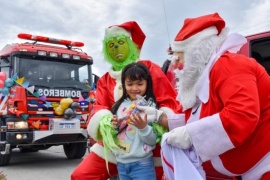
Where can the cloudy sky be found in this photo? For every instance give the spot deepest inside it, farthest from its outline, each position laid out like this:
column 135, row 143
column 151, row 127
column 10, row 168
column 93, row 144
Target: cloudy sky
column 85, row 20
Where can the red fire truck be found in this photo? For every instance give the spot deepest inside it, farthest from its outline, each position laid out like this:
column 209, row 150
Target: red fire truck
column 45, row 96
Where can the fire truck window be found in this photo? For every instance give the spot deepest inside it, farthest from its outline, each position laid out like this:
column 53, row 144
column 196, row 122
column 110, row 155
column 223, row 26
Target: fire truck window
column 5, row 70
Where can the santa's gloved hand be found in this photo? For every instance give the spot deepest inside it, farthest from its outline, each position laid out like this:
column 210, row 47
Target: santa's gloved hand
column 180, row 138
column 153, row 114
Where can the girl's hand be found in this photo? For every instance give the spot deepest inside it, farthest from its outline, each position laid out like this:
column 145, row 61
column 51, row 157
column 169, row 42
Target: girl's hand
column 137, row 121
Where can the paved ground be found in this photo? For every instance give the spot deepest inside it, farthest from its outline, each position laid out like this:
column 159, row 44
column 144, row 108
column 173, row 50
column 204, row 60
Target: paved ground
column 50, row 164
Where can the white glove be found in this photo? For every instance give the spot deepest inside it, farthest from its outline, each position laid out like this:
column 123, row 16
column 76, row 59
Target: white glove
column 153, row 114
column 179, row 137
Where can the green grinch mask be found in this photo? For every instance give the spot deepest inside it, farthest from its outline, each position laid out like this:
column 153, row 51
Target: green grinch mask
column 120, row 51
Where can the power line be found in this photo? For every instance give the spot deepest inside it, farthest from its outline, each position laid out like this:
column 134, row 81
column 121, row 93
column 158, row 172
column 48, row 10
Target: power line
column 166, row 23
column 256, row 25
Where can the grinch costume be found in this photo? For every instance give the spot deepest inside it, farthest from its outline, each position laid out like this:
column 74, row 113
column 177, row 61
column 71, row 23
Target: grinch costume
column 225, row 98
column 121, row 46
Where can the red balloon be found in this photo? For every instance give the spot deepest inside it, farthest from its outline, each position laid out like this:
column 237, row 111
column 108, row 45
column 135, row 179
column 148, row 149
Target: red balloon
column 3, row 76
column 2, row 84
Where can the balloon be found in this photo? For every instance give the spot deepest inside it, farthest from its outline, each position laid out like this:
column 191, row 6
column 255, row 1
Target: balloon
column 74, row 105
column 1, row 83
column 54, row 105
column 5, row 91
column 68, row 113
column 59, row 111
column 65, row 102
column 74, row 114
column 3, row 76
column 9, row 82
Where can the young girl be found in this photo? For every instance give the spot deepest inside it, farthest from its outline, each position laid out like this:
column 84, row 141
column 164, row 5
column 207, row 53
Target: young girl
column 135, row 138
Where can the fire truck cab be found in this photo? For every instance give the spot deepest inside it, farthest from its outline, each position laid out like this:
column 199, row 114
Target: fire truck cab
column 45, row 88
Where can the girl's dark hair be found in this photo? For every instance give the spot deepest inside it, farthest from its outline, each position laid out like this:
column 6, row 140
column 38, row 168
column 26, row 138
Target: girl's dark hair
column 135, row 71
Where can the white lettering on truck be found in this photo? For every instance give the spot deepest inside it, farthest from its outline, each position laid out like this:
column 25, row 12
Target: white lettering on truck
column 59, row 93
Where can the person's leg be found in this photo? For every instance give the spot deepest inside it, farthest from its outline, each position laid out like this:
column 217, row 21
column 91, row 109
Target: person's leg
column 93, row 167
column 143, row 169
column 122, row 171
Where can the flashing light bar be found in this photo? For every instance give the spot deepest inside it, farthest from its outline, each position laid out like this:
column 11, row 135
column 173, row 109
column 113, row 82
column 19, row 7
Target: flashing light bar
column 50, row 40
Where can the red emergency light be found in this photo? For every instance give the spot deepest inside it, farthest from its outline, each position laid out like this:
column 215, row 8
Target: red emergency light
column 50, row 40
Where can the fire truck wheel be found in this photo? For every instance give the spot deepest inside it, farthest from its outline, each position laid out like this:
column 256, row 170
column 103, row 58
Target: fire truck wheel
column 5, row 159
column 75, row 150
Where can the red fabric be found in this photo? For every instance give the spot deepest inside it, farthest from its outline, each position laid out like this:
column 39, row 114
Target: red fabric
column 266, row 176
column 167, row 163
column 193, row 26
column 239, row 93
column 137, row 35
column 93, row 167
column 159, row 173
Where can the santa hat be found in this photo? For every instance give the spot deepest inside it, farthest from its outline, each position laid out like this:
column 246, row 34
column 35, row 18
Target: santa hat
column 128, row 29
column 196, row 29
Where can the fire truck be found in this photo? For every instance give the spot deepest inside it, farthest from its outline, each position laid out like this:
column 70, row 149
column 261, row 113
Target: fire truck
column 45, row 96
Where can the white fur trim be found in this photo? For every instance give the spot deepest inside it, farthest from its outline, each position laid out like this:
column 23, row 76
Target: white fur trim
column 115, row 74
column 93, row 125
column 118, row 89
column 259, row 169
column 182, row 46
column 166, row 110
column 99, row 150
column 218, row 165
column 116, row 31
column 255, row 172
column 209, row 128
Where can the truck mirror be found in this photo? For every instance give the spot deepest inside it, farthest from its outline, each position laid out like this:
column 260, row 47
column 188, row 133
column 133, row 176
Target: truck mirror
column 96, row 77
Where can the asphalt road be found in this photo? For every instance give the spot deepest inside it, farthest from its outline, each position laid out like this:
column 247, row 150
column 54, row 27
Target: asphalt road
column 50, row 164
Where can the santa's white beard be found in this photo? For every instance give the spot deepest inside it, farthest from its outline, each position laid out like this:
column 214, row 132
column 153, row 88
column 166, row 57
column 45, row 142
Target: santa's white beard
column 195, row 61
column 187, row 85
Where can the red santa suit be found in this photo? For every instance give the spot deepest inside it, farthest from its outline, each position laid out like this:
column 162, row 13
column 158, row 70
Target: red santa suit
column 109, row 90
column 228, row 109
column 233, row 130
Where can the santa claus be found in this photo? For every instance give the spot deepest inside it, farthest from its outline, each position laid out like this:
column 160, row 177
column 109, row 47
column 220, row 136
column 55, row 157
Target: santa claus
column 225, row 98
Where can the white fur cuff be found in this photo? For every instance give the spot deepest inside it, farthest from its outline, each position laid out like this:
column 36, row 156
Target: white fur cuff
column 93, row 125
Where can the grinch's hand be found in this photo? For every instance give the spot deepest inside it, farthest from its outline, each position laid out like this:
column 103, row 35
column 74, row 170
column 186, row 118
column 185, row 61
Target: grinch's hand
column 116, row 122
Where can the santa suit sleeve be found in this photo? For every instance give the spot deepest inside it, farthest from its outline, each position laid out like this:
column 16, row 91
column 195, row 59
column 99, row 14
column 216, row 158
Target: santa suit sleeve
column 102, row 105
column 164, row 92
